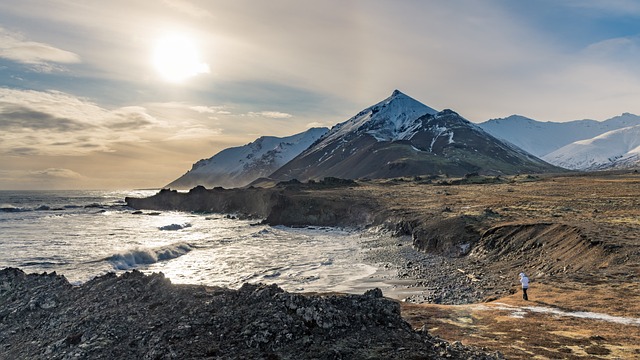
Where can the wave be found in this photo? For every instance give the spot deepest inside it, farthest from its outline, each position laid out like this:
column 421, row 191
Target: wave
column 137, row 257
column 12, row 208
column 43, row 264
column 174, row 227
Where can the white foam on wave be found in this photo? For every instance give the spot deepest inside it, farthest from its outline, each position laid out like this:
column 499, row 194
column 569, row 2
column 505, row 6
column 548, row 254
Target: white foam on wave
column 137, row 257
column 174, row 227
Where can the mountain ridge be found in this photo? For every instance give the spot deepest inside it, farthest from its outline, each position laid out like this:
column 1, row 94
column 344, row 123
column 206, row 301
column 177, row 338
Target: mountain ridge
column 400, row 136
column 543, row 137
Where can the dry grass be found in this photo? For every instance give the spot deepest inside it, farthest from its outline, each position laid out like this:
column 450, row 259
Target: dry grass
column 507, row 326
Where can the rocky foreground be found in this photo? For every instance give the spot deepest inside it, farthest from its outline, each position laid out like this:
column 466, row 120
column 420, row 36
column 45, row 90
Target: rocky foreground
column 137, row 316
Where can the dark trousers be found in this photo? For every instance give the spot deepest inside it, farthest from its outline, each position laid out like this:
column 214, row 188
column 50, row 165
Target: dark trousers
column 524, row 294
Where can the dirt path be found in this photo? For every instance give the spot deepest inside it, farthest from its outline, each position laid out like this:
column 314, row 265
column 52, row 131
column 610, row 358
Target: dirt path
column 562, row 321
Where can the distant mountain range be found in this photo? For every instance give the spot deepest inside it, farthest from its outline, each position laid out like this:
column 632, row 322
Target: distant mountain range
column 238, row 166
column 577, row 145
column 400, row 136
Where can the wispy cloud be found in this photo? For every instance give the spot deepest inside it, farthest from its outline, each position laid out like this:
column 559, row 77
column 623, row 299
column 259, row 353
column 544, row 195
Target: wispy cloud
column 317, row 124
column 52, row 173
column 625, row 49
column 209, row 109
column 37, row 56
column 195, row 132
column 17, row 118
column 131, row 118
column 47, row 178
column 270, row 114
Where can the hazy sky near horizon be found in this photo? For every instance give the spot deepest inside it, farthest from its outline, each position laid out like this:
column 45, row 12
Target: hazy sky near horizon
column 128, row 94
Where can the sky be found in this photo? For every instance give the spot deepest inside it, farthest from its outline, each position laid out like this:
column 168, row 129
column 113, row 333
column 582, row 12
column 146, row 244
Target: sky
column 129, row 94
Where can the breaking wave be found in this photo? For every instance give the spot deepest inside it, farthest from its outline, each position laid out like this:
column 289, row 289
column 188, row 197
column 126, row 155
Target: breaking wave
column 11, row 208
column 137, row 257
column 174, row 227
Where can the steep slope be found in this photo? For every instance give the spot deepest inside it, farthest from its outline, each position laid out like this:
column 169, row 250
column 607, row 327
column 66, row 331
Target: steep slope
column 402, row 137
column 614, row 149
column 238, row 166
column 541, row 138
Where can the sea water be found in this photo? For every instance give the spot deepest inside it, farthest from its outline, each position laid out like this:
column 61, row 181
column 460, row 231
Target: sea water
column 83, row 234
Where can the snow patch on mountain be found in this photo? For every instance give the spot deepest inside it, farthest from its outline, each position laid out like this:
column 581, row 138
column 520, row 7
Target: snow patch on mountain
column 614, row 149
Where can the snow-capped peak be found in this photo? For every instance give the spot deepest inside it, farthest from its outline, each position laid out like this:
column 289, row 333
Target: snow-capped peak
column 394, row 118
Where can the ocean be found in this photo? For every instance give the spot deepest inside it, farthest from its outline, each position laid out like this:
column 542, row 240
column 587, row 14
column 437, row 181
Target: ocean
column 83, row 234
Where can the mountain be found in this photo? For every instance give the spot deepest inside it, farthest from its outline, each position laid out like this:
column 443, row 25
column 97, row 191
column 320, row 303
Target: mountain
column 614, row 149
column 541, row 138
column 400, row 136
column 238, row 166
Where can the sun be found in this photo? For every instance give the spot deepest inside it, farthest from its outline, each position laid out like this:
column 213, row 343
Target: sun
column 176, row 58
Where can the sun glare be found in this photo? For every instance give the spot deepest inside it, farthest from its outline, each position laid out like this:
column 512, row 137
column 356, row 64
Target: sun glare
column 176, row 58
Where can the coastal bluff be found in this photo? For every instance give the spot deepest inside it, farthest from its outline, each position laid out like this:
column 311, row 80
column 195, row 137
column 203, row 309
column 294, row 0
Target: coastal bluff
column 290, row 204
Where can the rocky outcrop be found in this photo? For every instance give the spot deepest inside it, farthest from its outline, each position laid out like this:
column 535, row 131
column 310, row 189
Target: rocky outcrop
column 135, row 316
column 453, row 236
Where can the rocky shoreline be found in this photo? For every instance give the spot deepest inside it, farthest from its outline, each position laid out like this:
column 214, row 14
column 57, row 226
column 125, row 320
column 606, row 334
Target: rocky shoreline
column 137, row 316
column 457, row 240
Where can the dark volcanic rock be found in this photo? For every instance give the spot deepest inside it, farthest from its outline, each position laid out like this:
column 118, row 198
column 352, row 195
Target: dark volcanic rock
column 453, row 236
column 292, row 204
column 146, row 317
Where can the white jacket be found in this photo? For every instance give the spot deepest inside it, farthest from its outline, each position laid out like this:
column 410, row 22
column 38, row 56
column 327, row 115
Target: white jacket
column 524, row 280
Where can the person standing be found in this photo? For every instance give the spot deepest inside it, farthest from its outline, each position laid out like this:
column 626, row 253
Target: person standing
column 524, row 280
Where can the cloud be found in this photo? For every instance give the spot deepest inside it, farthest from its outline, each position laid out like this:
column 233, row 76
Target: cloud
column 19, row 117
column 55, row 173
column 44, row 178
column 315, row 124
column 195, row 132
column 209, row 109
column 132, row 118
column 270, row 114
column 22, row 151
column 56, row 123
column 625, row 49
column 38, row 56
column 53, row 123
